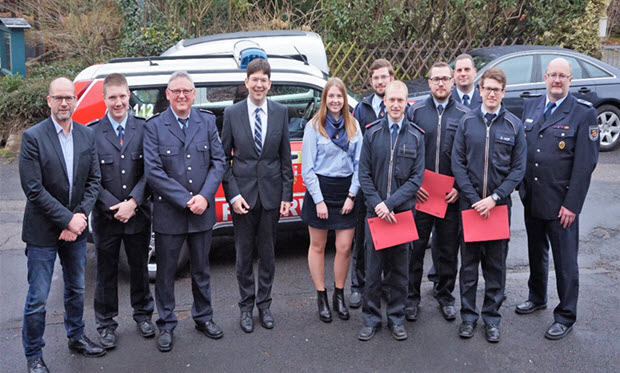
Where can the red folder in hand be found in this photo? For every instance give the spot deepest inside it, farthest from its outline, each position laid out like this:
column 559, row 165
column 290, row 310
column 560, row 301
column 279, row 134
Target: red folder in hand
column 476, row 228
column 437, row 186
column 386, row 235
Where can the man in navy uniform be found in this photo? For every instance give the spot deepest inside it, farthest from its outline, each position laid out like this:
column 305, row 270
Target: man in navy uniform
column 488, row 162
column 390, row 172
column 439, row 117
column 184, row 166
column 465, row 91
column 562, row 151
column 122, row 213
column 367, row 111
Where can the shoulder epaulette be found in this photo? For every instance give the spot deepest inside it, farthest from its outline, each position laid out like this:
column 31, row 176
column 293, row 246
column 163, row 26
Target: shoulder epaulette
column 584, row 102
column 153, row 116
column 91, row 123
column 139, row 117
column 206, row 111
column 416, row 126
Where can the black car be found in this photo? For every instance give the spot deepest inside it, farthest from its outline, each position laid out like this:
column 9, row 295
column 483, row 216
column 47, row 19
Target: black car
column 524, row 65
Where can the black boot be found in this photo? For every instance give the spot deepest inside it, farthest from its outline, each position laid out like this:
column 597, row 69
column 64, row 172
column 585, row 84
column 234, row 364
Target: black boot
column 338, row 304
column 324, row 313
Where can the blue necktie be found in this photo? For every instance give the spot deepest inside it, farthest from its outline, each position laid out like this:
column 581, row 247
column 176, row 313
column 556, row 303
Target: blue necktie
column 440, row 109
column 381, row 110
column 489, row 117
column 184, row 123
column 466, row 100
column 394, row 134
column 548, row 109
column 121, row 133
column 258, row 131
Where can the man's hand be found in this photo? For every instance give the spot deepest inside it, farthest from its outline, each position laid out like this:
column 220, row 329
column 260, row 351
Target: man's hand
column 567, row 217
column 484, row 206
column 453, row 196
column 77, row 223
column 126, row 210
column 421, row 195
column 347, row 206
column 240, row 206
column 67, row 235
column 198, row 204
column 284, row 207
column 384, row 213
column 321, row 210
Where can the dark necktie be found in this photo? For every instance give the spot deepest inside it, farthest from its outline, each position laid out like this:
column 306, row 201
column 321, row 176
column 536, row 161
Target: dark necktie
column 121, row 133
column 394, row 134
column 184, row 123
column 381, row 110
column 440, row 109
column 258, row 131
column 548, row 109
column 466, row 100
column 489, row 117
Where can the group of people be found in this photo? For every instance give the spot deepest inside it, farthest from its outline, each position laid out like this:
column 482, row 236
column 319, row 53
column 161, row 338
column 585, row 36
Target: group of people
column 162, row 175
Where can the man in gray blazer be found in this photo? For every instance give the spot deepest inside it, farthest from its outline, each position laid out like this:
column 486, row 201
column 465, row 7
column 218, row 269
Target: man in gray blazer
column 258, row 183
column 60, row 176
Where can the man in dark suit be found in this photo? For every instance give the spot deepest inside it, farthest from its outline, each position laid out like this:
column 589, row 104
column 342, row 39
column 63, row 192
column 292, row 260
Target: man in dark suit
column 562, row 150
column 122, row 213
column 259, row 186
column 465, row 91
column 60, row 176
column 184, row 165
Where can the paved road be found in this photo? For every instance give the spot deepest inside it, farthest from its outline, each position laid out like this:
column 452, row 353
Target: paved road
column 300, row 342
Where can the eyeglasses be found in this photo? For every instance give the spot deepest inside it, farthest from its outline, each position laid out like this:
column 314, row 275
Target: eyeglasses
column 443, row 79
column 554, row 76
column 59, row 99
column 492, row 90
column 177, row 92
column 376, row 78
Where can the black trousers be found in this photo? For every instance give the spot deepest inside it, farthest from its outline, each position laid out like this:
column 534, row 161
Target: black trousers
column 393, row 262
column 565, row 246
column 167, row 250
column 255, row 232
column 106, row 287
column 358, row 262
column 445, row 250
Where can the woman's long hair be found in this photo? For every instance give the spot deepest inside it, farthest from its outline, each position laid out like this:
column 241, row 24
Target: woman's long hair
column 321, row 116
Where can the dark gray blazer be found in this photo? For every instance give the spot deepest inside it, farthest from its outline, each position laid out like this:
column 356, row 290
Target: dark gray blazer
column 43, row 176
column 268, row 175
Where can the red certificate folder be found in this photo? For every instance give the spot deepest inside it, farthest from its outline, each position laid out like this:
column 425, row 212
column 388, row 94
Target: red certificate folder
column 437, row 186
column 495, row 227
column 386, row 235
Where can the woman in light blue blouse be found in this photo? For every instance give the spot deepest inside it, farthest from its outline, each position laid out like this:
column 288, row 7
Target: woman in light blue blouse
column 330, row 155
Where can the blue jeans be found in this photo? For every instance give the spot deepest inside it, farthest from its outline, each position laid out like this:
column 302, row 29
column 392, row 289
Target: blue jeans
column 40, row 269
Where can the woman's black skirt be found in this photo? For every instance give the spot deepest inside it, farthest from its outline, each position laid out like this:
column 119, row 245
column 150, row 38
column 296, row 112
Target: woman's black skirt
column 335, row 191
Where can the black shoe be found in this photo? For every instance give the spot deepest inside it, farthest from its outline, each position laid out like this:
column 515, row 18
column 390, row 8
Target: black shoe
column 146, row 329
column 37, row 366
column 448, row 312
column 529, row 307
column 367, row 333
column 492, row 333
column 355, row 299
column 164, row 340
column 246, row 322
column 86, row 347
column 210, row 329
column 466, row 330
column 398, row 332
column 557, row 331
column 324, row 313
column 338, row 303
column 266, row 319
column 107, row 338
column 411, row 313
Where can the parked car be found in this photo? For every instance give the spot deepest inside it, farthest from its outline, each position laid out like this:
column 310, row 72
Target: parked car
column 524, row 65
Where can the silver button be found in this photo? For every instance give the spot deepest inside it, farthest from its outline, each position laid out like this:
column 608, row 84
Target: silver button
column 192, row 193
column 124, row 186
column 122, row 171
column 563, row 134
column 159, row 198
column 190, row 181
column 189, row 156
column 102, row 161
column 536, row 164
column 541, row 136
column 189, row 168
column 538, row 150
column 167, row 151
column 140, row 158
column 205, row 146
column 122, row 156
column 535, row 179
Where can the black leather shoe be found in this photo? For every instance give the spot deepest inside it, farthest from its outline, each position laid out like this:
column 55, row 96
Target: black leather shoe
column 411, row 313
column 86, row 347
column 37, row 366
column 466, row 330
column 355, row 299
column 448, row 312
column 398, row 332
column 266, row 319
column 146, row 329
column 529, row 307
column 210, row 329
column 557, row 331
column 107, row 338
column 367, row 333
column 164, row 340
column 324, row 313
column 246, row 322
column 492, row 333
column 338, row 303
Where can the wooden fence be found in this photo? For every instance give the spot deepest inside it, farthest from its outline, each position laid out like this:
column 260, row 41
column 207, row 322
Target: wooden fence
column 350, row 60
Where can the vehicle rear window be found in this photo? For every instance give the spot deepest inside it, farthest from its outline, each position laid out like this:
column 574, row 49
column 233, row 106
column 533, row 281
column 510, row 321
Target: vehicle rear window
column 518, row 70
column 596, row 72
column 577, row 70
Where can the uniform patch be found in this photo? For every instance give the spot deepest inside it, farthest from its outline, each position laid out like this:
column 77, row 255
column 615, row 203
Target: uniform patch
column 561, row 145
column 594, row 130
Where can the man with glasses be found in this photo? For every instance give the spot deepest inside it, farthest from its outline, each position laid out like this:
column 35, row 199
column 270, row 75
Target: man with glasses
column 562, row 151
column 488, row 161
column 439, row 117
column 465, row 91
column 60, row 176
column 184, row 165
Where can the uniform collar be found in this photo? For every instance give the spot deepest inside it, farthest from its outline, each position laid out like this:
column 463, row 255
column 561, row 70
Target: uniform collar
column 115, row 124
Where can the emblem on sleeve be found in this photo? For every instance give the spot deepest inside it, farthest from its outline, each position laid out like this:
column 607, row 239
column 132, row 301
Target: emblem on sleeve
column 594, row 133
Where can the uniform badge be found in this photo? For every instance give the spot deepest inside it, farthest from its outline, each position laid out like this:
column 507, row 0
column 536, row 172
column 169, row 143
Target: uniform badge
column 593, row 133
column 561, row 145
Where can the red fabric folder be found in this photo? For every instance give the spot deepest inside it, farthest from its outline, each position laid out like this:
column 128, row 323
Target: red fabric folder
column 476, row 228
column 437, row 186
column 386, row 235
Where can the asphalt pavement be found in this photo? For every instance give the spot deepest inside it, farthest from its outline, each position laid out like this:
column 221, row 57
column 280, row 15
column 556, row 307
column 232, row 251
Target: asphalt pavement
column 301, row 343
